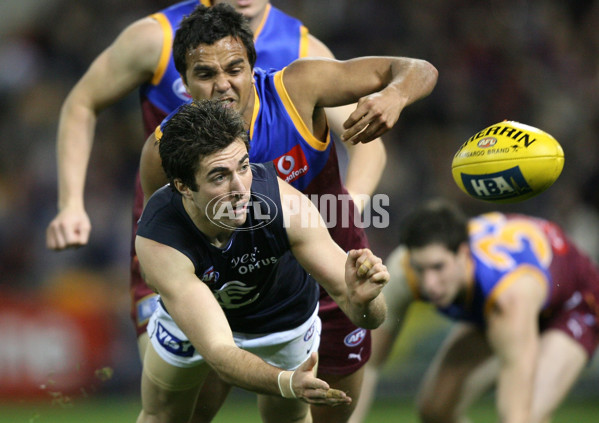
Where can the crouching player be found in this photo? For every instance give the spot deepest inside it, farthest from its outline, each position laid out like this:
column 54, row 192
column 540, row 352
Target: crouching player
column 526, row 305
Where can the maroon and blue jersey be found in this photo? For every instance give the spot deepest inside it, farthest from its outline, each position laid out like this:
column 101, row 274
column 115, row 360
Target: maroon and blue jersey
column 503, row 246
column 165, row 91
column 279, row 40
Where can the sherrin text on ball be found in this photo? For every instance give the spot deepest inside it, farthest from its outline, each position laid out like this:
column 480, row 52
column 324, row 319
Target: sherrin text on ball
column 507, row 162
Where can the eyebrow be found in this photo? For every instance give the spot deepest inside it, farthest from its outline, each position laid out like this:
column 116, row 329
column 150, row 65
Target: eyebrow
column 236, row 62
column 204, row 68
column 225, row 169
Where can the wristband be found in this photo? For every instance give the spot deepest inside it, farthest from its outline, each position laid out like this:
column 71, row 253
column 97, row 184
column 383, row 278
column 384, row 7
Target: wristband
column 291, row 384
column 284, row 394
column 279, row 383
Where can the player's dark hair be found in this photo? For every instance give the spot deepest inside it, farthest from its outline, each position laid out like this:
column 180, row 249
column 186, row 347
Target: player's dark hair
column 436, row 222
column 207, row 25
column 195, row 131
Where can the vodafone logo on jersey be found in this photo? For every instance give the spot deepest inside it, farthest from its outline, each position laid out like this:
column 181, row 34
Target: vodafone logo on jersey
column 180, row 91
column 292, row 165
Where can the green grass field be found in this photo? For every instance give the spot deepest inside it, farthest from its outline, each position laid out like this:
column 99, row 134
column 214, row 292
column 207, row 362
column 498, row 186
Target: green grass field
column 244, row 410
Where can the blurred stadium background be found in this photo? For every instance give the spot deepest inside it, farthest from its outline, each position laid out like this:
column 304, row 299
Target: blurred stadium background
column 66, row 334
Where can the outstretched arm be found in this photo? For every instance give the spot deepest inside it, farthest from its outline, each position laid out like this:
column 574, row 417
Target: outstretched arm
column 172, row 274
column 354, row 280
column 382, row 87
column 123, row 66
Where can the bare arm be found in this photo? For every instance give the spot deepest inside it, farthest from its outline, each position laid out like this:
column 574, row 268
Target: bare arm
column 340, row 274
column 514, row 336
column 366, row 161
column 171, row 273
column 398, row 297
column 382, row 86
column 151, row 173
column 123, row 66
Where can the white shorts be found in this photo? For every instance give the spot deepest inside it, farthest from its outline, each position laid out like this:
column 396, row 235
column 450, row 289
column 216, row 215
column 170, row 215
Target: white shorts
column 286, row 350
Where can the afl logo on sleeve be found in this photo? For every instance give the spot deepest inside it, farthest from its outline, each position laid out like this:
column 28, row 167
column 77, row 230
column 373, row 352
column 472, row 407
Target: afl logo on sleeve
column 210, row 276
column 292, row 165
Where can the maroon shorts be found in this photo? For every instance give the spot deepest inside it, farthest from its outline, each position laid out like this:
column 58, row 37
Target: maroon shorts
column 575, row 311
column 344, row 347
column 579, row 323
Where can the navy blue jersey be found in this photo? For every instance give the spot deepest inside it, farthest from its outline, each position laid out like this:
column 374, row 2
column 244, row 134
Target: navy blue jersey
column 255, row 278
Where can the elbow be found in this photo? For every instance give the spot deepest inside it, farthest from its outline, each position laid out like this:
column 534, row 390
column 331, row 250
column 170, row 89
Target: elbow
column 375, row 316
column 431, row 76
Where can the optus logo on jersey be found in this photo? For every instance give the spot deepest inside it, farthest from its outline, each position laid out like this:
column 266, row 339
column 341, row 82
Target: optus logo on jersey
column 335, row 211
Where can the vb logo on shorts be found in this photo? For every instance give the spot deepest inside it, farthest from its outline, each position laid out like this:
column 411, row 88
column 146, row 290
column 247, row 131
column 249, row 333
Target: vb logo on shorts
column 173, row 344
column 355, row 338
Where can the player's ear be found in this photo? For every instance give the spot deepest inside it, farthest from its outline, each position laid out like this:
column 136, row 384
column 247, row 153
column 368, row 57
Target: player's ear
column 183, row 189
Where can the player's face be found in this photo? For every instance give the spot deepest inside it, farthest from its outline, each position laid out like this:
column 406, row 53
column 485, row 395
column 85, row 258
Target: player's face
column 251, row 9
column 224, row 180
column 442, row 273
column 221, row 71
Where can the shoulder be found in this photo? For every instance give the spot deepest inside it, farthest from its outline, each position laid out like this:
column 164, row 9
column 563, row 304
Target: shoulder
column 145, row 33
column 139, row 45
column 397, row 258
column 403, row 284
column 157, row 202
column 265, row 183
column 262, row 172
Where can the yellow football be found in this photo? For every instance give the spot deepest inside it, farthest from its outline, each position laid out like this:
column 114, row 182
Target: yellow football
column 507, row 162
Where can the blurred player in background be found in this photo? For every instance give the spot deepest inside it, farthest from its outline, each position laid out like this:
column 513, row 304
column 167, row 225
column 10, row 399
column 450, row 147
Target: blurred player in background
column 526, row 305
column 254, row 322
column 284, row 113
